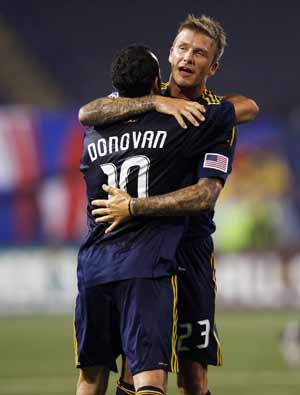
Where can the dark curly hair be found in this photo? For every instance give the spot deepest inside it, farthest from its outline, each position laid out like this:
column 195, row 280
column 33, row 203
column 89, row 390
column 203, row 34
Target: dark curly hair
column 134, row 70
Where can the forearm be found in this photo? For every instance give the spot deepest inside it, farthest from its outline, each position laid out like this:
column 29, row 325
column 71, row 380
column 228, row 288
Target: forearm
column 246, row 109
column 108, row 110
column 186, row 201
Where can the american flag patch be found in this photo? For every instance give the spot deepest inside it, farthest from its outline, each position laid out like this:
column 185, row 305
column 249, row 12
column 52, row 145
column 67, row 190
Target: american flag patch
column 216, row 161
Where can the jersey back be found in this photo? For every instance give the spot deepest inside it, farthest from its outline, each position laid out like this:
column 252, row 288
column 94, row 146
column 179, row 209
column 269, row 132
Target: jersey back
column 146, row 156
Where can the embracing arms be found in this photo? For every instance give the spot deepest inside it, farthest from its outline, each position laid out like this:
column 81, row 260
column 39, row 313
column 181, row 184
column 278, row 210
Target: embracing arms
column 186, row 201
column 108, row 110
column 191, row 200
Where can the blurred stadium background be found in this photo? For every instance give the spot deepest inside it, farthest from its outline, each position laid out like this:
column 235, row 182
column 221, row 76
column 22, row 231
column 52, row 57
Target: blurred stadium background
column 55, row 56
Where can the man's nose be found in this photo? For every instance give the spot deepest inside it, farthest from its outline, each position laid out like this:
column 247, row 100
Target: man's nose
column 188, row 56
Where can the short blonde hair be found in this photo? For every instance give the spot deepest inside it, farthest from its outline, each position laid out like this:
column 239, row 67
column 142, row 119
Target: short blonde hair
column 210, row 27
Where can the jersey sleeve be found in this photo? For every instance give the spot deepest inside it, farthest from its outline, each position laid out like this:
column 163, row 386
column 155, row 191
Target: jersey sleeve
column 214, row 142
column 217, row 159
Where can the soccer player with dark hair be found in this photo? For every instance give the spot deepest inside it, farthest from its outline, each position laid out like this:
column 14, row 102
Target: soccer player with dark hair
column 194, row 56
column 122, row 274
column 133, row 76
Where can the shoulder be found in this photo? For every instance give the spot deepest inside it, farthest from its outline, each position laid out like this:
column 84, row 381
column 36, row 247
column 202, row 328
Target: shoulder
column 216, row 105
column 159, row 118
column 210, row 98
column 218, row 110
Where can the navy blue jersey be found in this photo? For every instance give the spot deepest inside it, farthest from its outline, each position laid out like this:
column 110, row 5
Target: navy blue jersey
column 150, row 155
column 202, row 225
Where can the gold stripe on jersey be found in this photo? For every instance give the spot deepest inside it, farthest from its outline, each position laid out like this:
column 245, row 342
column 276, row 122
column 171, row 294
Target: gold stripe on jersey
column 219, row 351
column 149, row 392
column 210, row 97
column 232, row 137
column 212, row 264
column 75, row 344
column 174, row 359
column 219, row 348
column 163, row 85
column 126, row 390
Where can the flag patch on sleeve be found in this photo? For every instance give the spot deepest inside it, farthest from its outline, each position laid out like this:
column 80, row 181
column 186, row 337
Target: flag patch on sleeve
column 216, row 161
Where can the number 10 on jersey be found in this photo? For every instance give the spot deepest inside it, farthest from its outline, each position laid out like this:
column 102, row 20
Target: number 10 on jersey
column 121, row 180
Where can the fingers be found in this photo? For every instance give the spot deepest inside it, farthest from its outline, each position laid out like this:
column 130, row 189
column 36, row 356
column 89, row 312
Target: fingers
column 105, row 218
column 112, row 227
column 100, row 211
column 180, row 120
column 110, row 190
column 197, row 111
column 199, row 107
column 179, row 108
column 192, row 111
column 196, row 105
column 190, row 117
column 100, row 202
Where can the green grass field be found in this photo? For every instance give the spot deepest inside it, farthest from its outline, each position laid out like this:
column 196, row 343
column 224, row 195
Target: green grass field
column 36, row 356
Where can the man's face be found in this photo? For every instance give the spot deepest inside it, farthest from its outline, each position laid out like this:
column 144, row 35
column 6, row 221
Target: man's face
column 192, row 59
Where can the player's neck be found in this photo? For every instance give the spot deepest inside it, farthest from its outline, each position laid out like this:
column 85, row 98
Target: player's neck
column 185, row 93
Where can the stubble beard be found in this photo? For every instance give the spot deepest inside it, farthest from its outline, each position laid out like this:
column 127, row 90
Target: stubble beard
column 186, row 90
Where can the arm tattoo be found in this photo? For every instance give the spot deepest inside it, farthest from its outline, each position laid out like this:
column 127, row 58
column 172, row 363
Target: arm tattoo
column 108, row 110
column 186, row 201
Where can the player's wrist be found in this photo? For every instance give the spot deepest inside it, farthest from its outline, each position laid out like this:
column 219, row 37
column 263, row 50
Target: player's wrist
column 131, row 207
column 157, row 101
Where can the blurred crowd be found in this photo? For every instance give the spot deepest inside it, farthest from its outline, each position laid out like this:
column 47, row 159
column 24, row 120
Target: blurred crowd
column 260, row 206
column 42, row 197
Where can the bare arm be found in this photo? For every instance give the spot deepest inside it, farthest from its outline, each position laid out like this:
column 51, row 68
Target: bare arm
column 108, row 110
column 246, row 109
column 186, row 201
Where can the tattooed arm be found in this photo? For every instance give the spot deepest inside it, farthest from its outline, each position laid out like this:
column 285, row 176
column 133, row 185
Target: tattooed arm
column 108, row 110
column 186, row 201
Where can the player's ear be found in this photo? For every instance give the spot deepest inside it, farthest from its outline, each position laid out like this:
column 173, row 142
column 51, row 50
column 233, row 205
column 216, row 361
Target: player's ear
column 213, row 68
column 155, row 90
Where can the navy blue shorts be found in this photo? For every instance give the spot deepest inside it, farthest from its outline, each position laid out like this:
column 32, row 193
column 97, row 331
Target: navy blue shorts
column 197, row 333
column 137, row 317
